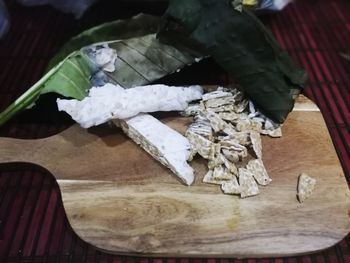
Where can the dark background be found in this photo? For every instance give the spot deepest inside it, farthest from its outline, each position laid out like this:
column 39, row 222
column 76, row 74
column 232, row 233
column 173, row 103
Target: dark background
column 33, row 226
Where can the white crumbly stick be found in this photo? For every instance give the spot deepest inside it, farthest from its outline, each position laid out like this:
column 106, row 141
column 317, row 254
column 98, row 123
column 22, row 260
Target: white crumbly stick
column 114, row 102
column 247, row 183
column 306, row 186
column 258, row 169
column 164, row 144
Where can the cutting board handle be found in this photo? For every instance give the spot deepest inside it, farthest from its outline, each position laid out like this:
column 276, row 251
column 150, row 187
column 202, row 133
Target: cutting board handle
column 17, row 150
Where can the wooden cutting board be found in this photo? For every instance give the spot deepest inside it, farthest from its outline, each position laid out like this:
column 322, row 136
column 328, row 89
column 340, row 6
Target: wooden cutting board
column 120, row 200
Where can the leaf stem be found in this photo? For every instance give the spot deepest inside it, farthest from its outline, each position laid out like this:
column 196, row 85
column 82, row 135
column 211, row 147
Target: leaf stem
column 27, row 98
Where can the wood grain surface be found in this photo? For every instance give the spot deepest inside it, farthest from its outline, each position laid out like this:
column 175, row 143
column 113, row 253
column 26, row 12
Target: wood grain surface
column 120, row 200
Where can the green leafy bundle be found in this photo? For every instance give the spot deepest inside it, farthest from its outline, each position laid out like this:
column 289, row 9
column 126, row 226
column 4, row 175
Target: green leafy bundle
column 141, row 60
column 233, row 36
column 238, row 42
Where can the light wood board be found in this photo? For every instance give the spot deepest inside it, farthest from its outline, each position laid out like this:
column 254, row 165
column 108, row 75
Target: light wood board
column 120, row 200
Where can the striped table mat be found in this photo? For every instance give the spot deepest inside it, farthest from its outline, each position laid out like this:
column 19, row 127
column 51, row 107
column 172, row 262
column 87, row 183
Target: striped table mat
column 33, row 226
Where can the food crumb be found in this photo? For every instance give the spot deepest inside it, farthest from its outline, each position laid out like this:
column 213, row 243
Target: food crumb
column 306, row 186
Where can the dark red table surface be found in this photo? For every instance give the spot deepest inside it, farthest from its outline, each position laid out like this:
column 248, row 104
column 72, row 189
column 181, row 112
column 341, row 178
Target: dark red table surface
column 33, row 225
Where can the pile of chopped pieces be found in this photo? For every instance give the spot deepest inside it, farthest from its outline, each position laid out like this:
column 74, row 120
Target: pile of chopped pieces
column 226, row 131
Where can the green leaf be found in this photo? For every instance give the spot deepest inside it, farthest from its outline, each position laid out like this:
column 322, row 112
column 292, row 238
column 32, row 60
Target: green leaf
column 72, row 77
column 241, row 44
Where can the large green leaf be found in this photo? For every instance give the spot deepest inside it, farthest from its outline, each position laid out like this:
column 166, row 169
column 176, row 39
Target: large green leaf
column 140, row 60
column 241, row 45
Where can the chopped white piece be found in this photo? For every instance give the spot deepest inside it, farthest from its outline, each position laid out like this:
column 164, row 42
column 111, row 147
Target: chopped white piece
column 244, row 124
column 241, row 106
column 221, row 173
column 259, row 119
column 202, row 130
column 199, row 144
column 256, row 142
column 217, row 102
column 231, row 187
column 201, row 119
column 247, row 183
column 238, row 95
column 232, row 156
column 114, row 102
column 105, row 57
column 209, row 179
column 192, row 110
column 231, row 167
column 276, row 133
column 215, row 159
column 223, row 108
column 228, row 116
column 255, row 125
column 216, row 94
column 240, row 137
column 201, row 126
column 215, row 121
column 234, row 145
column 270, row 124
column 164, row 144
column 229, row 130
column 102, row 56
column 270, row 127
column 251, row 108
column 306, row 186
column 258, row 169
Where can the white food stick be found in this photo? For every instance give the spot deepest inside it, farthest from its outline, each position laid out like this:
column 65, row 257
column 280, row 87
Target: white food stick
column 114, row 102
column 163, row 143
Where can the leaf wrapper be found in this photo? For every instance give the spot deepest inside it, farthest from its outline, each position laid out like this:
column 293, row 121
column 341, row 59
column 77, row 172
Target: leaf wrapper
column 241, row 44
